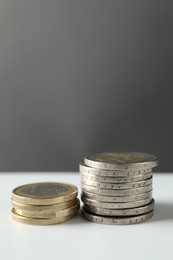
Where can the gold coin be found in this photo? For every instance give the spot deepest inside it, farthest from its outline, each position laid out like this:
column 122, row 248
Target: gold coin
column 49, row 214
column 42, row 208
column 39, row 221
column 45, row 193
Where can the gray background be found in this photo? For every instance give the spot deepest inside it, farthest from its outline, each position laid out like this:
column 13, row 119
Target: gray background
column 79, row 77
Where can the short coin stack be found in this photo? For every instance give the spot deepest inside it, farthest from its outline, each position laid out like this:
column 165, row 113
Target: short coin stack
column 44, row 203
column 117, row 187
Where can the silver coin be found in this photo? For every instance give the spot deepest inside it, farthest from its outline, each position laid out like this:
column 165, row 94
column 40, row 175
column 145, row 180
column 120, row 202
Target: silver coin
column 113, row 173
column 117, row 220
column 115, row 186
column 120, row 212
column 116, row 192
column 118, row 199
column 121, row 160
column 111, row 205
column 121, row 179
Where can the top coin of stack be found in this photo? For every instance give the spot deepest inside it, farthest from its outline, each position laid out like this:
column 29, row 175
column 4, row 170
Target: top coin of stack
column 44, row 203
column 117, row 187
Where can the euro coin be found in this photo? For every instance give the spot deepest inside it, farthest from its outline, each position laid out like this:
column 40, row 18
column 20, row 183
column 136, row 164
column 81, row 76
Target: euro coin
column 111, row 205
column 115, row 186
column 39, row 221
column 112, row 192
column 120, row 212
column 118, row 199
column 115, row 179
column 49, row 214
column 43, row 208
column 117, row 220
column 121, row 160
column 44, row 193
column 113, row 173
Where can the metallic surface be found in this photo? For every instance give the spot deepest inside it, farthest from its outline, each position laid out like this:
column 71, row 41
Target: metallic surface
column 44, row 193
column 115, row 186
column 121, row 160
column 117, row 220
column 49, row 214
column 113, row 173
column 114, row 179
column 118, row 199
column 110, row 192
column 120, row 212
column 43, row 208
column 39, row 221
column 111, row 205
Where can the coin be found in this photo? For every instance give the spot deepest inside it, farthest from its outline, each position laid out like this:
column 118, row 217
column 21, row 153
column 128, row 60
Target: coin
column 121, row 179
column 118, row 199
column 115, row 186
column 110, row 192
column 113, row 173
column 120, row 212
column 49, row 214
column 121, row 160
column 42, row 208
column 39, row 221
column 117, row 220
column 44, row 193
column 111, row 205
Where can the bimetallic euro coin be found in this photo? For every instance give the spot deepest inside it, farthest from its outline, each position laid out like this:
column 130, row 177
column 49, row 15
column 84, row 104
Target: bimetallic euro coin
column 120, row 212
column 109, row 192
column 117, row 220
column 115, row 205
column 39, row 221
column 49, row 214
column 119, row 179
column 43, row 208
column 44, row 193
column 121, row 160
column 113, row 173
column 117, row 199
column 115, row 186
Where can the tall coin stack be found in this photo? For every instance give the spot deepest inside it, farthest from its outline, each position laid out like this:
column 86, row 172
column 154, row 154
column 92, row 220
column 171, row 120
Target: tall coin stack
column 44, row 203
column 117, row 187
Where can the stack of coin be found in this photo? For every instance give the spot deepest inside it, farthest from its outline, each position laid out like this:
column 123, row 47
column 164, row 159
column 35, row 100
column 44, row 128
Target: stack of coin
column 44, row 203
column 117, row 187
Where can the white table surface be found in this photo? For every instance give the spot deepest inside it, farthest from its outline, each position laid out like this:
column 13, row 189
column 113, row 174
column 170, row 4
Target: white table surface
column 80, row 239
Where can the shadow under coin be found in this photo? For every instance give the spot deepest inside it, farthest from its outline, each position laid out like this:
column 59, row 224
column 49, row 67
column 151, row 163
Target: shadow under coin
column 77, row 220
column 163, row 211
